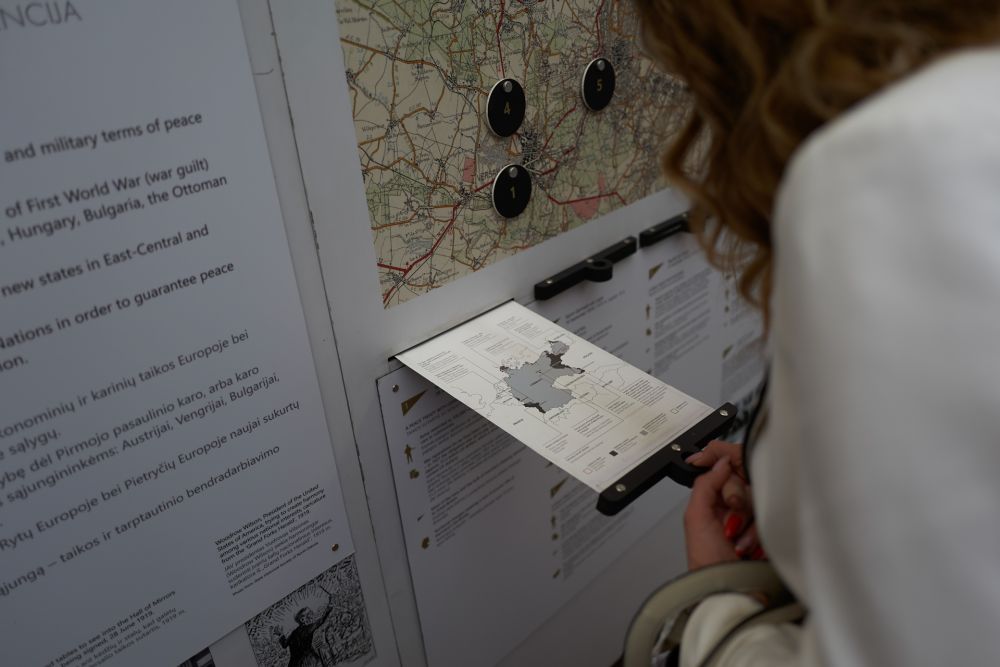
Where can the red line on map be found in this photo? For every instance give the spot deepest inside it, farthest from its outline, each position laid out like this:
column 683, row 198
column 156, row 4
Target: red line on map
column 583, row 199
column 390, row 266
column 414, row 263
column 503, row 74
column 556, row 127
column 597, row 28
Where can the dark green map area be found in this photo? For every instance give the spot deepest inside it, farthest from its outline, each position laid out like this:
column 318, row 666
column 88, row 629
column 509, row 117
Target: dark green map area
column 533, row 384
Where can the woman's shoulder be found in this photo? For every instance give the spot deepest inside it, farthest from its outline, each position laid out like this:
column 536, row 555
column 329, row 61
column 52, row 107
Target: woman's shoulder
column 946, row 112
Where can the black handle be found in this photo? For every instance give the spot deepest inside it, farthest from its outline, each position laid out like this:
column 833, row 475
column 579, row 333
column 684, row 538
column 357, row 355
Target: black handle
column 598, row 268
column 668, row 462
column 656, row 233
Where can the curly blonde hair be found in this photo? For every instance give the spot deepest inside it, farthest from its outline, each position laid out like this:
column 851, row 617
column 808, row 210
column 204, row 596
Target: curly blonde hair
column 763, row 75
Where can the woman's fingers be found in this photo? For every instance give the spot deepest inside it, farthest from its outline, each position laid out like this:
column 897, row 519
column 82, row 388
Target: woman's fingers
column 748, row 542
column 706, row 493
column 704, row 528
column 708, row 487
column 736, row 494
column 716, row 450
column 734, row 525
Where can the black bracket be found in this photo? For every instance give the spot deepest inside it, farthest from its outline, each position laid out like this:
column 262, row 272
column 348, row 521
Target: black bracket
column 656, row 233
column 598, row 268
column 668, row 462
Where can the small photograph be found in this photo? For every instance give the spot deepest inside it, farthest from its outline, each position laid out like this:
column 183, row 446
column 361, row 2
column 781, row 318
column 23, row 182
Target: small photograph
column 321, row 624
column 202, row 659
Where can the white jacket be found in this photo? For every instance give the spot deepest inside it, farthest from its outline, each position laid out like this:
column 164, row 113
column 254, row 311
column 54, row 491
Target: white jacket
column 877, row 479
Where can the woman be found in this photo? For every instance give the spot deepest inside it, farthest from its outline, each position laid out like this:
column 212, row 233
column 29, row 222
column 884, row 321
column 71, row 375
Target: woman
column 844, row 157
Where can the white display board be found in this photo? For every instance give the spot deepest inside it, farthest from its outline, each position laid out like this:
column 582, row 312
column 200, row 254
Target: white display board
column 146, row 432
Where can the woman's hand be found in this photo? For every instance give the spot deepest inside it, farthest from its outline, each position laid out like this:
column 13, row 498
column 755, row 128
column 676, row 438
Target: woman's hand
column 716, row 450
column 718, row 523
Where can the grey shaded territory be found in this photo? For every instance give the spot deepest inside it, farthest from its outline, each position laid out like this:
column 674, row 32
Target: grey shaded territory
column 533, row 384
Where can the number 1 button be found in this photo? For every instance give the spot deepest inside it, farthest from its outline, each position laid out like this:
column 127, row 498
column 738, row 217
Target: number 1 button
column 511, row 191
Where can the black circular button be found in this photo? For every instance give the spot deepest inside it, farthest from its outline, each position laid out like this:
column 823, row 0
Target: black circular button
column 511, row 191
column 505, row 108
column 598, row 84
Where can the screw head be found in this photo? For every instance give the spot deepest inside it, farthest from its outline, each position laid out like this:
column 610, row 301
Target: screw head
column 512, row 172
column 395, row 387
column 675, row 447
column 620, row 488
column 508, row 86
column 724, row 413
column 601, row 65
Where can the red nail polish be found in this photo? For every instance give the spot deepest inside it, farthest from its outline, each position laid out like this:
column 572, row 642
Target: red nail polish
column 732, row 527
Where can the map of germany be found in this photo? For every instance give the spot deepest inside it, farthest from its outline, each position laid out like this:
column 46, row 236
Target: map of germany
column 533, row 384
column 420, row 73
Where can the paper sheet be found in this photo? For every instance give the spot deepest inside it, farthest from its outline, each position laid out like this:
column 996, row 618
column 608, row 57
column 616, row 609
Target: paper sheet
column 588, row 412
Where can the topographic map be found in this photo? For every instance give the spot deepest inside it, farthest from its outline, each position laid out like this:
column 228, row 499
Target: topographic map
column 420, row 72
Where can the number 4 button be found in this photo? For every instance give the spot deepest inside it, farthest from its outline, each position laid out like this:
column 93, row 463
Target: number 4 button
column 505, row 107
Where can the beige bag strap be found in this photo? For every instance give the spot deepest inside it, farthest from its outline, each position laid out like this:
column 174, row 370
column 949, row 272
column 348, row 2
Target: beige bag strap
column 672, row 599
column 789, row 613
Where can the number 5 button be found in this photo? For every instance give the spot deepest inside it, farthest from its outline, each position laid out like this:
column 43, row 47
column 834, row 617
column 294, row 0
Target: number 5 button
column 511, row 191
column 598, row 85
